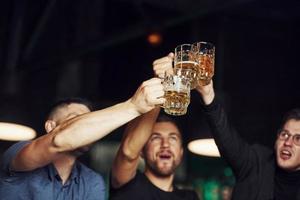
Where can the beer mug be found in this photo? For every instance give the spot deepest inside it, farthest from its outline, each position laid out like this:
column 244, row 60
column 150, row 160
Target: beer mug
column 185, row 63
column 177, row 94
column 205, row 57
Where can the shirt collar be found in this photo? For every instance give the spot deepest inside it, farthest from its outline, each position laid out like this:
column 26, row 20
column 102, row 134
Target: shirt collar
column 53, row 174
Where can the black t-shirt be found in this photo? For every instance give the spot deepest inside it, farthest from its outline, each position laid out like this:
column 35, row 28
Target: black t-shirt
column 142, row 189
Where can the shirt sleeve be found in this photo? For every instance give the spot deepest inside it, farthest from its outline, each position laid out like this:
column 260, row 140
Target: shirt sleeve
column 10, row 154
column 235, row 150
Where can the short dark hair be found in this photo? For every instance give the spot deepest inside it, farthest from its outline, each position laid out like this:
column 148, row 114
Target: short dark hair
column 165, row 118
column 292, row 114
column 67, row 101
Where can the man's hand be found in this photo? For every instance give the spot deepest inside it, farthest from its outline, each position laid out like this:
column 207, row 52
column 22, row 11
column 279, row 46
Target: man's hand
column 163, row 65
column 207, row 92
column 148, row 95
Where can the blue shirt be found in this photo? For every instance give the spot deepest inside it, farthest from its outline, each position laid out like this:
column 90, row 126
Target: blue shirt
column 44, row 183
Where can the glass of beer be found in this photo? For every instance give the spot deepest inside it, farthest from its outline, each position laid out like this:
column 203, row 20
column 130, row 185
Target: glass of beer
column 177, row 94
column 205, row 57
column 185, row 63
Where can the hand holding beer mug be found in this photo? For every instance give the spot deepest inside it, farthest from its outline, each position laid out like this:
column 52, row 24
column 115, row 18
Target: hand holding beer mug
column 205, row 56
column 177, row 94
column 185, row 63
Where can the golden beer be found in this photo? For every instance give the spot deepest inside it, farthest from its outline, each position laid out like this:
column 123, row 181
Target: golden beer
column 189, row 70
column 176, row 102
column 205, row 56
column 206, row 68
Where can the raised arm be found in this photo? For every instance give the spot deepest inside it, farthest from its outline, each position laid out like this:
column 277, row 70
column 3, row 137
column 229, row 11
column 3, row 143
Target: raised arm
column 135, row 137
column 137, row 134
column 87, row 128
column 232, row 147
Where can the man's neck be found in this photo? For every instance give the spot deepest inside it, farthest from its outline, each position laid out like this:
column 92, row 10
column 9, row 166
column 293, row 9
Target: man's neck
column 164, row 183
column 64, row 166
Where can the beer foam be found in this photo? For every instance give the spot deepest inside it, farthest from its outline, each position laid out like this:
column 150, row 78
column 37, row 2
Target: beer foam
column 186, row 62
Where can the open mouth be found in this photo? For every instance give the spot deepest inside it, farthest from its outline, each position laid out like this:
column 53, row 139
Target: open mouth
column 285, row 154
column 165, row 155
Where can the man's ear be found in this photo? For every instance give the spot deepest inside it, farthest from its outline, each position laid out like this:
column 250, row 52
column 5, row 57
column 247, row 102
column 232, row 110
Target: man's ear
column 50, row 125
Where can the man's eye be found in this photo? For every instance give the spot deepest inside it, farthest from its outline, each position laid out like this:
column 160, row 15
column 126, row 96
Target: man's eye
column 284, row 134
column 155, row 138
column 297, row 138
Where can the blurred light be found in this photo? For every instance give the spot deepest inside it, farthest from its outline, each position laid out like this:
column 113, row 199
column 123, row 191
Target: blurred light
column 15, row 132
column 211, row 189
column 228, row 172
column 204, row 147
column 154, row 38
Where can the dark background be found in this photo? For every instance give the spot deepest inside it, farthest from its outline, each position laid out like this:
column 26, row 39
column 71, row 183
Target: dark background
column 98, row 49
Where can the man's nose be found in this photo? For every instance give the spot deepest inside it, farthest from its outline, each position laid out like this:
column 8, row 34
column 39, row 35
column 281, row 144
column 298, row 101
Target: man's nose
column 165, row 142
column 288, row 141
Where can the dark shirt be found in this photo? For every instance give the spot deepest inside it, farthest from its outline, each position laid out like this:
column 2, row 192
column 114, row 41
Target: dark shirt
column 44, row 183
column 254, row 166
column 142, row 189
column 287, row 185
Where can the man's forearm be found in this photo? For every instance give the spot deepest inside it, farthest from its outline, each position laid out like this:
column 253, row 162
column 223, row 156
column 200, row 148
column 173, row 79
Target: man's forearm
column 137, row 134
column 88, row 128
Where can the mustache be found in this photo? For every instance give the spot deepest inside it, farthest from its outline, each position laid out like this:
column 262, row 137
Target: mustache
column 164, row 152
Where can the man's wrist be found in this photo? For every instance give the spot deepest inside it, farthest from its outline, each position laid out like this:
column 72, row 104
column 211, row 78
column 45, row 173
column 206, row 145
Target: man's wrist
column 208, row 98
column 132, row 108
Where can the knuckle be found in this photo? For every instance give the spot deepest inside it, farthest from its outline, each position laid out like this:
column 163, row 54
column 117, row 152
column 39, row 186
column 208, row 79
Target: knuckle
column 146, row 90
column 144, row 84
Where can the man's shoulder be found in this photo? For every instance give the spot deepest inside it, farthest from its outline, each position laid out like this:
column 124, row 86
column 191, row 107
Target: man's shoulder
column 86, row 170
column 138, row 181
column 262, row 149
column 89, row 173
column 14, row 148
column 187, row 194
column 10, row 154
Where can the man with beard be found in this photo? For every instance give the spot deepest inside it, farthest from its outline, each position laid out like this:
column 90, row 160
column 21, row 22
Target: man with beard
column 46, row 168
column 160, row 144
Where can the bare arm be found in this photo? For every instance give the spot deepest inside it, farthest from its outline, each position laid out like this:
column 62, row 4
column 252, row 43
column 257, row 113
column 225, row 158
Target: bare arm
column 136, row 135
column 87, row 128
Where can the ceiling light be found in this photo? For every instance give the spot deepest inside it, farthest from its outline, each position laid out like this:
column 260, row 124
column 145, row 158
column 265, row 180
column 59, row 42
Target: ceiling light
column 204, row 147
column 15, row 132
column 154, row 38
